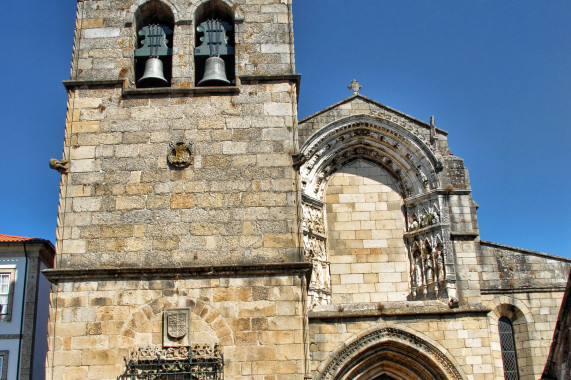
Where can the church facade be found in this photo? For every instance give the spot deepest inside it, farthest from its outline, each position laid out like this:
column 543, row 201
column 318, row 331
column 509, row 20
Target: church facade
column 205, row 232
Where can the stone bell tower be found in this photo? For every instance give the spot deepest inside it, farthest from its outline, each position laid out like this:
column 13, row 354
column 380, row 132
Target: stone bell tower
column 178, row 240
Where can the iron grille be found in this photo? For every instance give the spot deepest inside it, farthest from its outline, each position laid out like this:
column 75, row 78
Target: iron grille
column 507, row 344
column 166, row 366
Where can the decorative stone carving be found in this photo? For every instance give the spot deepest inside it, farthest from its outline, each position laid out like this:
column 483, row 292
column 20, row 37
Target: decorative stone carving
column 315, row 251
column 176, row 327
column 320, row 284
column 355, row 86
column 199, row 361
column 340, row 361
column 409, row 158
column 180, row 154
column 428, row 241
column 313, row 219
column 439, row 262
column 61, row 166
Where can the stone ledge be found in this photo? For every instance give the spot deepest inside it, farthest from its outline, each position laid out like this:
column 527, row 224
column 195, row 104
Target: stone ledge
column 401, row 310
column 524, row 251
column 271, row 78
column 230, row 90
column 424, row 230
column 464, row 234
column 523, row 289
column 439, row 191
column 55, row 275
column 72, row 84
column 10, row 336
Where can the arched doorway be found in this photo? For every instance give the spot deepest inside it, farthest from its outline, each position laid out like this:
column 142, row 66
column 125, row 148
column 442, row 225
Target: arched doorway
column 389, row 354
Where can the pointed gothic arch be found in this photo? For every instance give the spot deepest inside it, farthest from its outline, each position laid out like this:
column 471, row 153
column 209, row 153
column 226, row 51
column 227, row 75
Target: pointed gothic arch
column 414, row 163
column 383, row 142
column 391, row 352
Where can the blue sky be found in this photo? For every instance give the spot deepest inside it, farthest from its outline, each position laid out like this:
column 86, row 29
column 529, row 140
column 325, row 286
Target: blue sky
column 495, row 74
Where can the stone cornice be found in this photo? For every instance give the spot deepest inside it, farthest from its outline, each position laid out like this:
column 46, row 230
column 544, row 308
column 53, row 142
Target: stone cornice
column 421, row 311
column 296, row 78
column 72, row 84
column 55, row 275
column 524, row 251
column 109, row 83
column 463, row 235
column 223, row 90
column 381, row 105
column 523, row 289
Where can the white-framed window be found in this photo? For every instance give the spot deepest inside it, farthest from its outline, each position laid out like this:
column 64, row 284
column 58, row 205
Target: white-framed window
column 7, row 277
column 3, row 365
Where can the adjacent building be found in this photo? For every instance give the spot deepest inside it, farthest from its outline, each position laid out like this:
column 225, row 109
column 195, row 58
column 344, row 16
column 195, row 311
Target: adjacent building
column 205, row 232
column 24, row 305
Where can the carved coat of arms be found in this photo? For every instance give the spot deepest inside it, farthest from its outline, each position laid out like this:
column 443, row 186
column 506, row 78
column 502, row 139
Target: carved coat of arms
column 176, row 323
column 180, row 154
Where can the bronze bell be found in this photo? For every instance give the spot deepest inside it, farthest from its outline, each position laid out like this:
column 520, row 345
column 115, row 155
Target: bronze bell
column 153, row 76
column 214, row 72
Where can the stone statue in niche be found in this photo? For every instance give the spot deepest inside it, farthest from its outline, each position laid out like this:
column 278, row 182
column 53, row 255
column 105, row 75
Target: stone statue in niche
column 417, row 269
column 413, row 223
column 439, row 259
column 435, row 218
column 428, row 264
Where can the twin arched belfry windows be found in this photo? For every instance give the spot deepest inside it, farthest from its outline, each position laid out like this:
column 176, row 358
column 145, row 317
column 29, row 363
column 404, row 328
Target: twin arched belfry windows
column 213, row 49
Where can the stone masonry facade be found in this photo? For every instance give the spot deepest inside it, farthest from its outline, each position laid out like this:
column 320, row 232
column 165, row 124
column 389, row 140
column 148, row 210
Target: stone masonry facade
column 341, row 246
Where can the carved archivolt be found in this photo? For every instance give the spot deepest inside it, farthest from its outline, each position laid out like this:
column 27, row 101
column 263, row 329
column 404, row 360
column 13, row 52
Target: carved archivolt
column 409, row 158
column 397, row 146
column 402, row 345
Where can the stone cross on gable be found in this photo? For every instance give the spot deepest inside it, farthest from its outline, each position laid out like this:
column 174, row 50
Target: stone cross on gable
column 355, row 86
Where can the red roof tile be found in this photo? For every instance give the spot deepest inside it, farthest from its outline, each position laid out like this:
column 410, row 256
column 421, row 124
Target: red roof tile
column 10, row 238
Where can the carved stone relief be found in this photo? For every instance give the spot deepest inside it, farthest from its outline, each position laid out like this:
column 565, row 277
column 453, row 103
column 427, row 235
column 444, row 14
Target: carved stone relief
column 320, row 285
column 404, row 150
column 315, row 251
column 313, row 219
column 432, row 269
column 409, row 159
column 176, row 327
column 180, row 154
column 346, row 356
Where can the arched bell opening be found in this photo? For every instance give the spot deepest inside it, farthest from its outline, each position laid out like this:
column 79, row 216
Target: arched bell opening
column 153, row 53
column 214, row 59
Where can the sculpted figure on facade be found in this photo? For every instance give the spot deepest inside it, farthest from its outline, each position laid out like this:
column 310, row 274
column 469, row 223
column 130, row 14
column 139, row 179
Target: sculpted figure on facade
column 413, row 223
column 428, row 263
column 439, row 260
column 313, row 219
column 319, row 287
